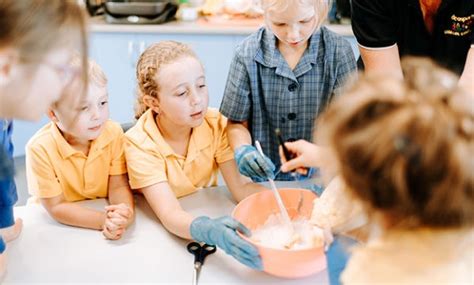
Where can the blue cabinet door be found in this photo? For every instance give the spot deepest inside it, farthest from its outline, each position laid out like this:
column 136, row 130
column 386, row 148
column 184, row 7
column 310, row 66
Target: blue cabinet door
column 117, row 54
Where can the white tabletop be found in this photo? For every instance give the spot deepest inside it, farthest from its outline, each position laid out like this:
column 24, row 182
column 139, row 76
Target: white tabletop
column 48, row 252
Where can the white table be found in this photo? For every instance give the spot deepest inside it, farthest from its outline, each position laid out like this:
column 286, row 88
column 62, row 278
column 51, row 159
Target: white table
column 49, row 252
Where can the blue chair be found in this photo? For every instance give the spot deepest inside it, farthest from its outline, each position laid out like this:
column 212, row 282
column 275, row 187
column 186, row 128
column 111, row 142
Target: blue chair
column 337, row 256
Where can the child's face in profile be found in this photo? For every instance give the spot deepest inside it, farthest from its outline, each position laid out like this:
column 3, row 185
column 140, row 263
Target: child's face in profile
column 86, row 119
column 293, row 26
column 183, row 94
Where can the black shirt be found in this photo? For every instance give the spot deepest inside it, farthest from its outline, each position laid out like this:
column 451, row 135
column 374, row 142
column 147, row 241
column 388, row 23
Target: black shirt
column 383, row 23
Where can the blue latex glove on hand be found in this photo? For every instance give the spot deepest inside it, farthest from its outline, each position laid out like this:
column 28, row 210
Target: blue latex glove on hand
column 222, row 232
column 252, row 164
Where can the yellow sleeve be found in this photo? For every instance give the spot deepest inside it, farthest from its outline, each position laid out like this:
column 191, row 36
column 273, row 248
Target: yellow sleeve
column 118, row 165
column 40, row 174
column 145, row 167
column 223, row 151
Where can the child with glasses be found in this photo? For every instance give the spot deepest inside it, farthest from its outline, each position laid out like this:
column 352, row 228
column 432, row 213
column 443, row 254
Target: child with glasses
column 32, row 32
column 81, row 160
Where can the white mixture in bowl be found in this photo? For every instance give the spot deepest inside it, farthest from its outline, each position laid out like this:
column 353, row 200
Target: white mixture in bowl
column 275, row 234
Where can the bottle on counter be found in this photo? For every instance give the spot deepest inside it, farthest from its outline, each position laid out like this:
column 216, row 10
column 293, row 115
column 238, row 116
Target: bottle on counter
column 189, row 10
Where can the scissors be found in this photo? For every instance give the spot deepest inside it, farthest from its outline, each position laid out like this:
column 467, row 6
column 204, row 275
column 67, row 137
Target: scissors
column 289, row 156
column 200, row 252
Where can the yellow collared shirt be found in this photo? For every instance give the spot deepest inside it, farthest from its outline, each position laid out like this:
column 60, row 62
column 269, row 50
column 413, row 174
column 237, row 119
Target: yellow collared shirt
column 151, row 160
column 53, row 167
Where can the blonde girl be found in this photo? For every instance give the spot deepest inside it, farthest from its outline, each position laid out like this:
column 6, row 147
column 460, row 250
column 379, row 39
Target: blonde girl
column 404, row 151
column 37, row 39
column 177, row 146
column 282, row 76
column 84, row 160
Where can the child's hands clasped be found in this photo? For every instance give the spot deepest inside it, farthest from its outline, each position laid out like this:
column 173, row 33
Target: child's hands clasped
column 118, row 217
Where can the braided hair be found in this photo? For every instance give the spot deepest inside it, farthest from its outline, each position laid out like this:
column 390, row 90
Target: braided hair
column 149, row 64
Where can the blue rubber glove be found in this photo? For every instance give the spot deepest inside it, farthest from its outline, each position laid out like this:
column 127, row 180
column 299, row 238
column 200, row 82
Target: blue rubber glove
column 222, row 232
column 252, row 164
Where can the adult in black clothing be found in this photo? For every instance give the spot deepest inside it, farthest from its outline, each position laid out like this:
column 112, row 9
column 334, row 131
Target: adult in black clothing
column 439, row 29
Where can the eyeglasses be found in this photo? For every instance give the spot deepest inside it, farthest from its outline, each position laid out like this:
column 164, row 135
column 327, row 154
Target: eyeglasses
column 66, row 72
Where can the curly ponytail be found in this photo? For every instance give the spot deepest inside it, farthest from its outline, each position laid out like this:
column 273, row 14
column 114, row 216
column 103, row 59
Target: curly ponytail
column 405, row 148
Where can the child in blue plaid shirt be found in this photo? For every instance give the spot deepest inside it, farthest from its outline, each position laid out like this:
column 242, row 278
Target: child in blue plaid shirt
column 282, row 76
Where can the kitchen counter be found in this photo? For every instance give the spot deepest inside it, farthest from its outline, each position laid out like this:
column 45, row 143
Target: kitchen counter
column 49, row 252
column 98, row 24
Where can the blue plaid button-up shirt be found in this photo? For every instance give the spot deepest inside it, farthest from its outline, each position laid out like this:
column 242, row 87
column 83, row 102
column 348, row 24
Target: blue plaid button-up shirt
column 263, row 90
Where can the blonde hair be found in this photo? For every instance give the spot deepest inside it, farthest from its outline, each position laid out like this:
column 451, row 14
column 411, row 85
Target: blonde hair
column 94, row 72
column 35, row 27
column 321, row 7
column 149, row 64
column 405, row 148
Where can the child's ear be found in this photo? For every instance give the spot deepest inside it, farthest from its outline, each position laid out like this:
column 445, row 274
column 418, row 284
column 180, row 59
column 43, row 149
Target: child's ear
column 8, row 59
column 152, row 103
column 52, row 116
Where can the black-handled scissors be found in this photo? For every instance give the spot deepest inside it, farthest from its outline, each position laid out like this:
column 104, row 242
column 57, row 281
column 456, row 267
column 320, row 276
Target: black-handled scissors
column 200, row 252
column 286, row 152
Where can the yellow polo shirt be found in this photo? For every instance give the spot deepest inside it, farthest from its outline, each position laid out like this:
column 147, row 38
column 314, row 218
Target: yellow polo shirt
column 150, row 159
column 54, row 167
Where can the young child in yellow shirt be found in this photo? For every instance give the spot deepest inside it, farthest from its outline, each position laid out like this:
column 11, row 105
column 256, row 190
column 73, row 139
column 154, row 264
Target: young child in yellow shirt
column 66, row 163
column 177, row 146
column 403, row 149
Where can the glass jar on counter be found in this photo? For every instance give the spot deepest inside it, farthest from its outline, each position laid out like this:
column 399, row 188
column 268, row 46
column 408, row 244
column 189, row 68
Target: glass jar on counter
column 189, row 10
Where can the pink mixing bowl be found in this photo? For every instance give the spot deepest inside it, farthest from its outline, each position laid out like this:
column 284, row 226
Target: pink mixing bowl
column 254, row 210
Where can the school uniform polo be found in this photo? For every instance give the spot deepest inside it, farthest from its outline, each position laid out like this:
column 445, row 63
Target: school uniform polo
column 8, row 193
column 264, row 91
column 378, row 24
column 151, row 160
column 53, row 167
column 417, row 256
